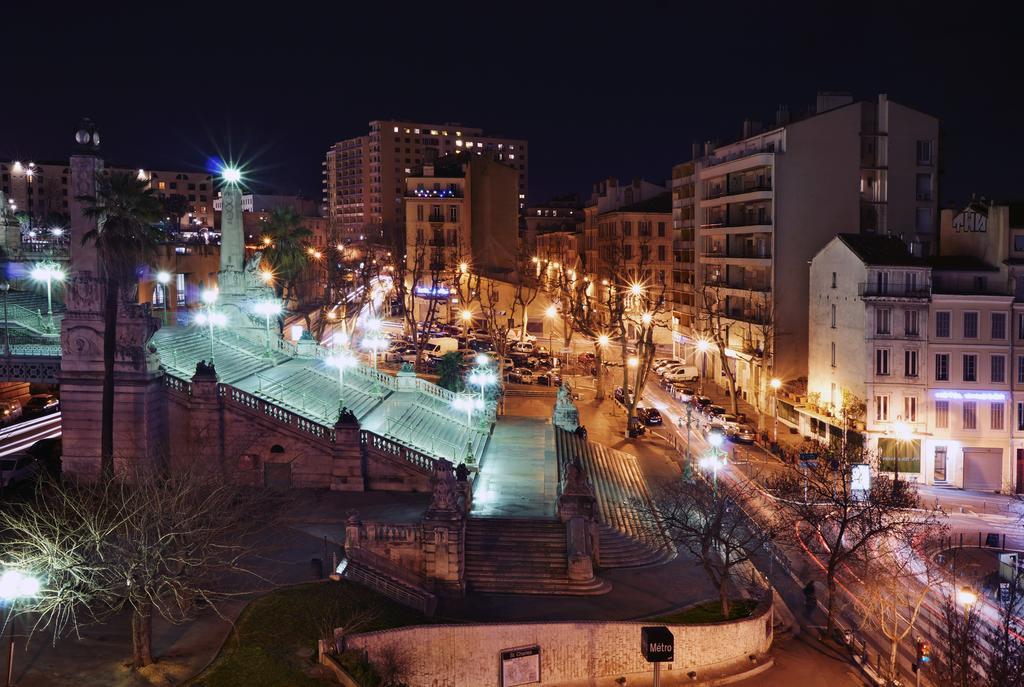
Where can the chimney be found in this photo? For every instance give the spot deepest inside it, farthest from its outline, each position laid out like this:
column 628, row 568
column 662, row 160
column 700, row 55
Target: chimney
column 751, row 127
column 781, row 115
column 830, row 100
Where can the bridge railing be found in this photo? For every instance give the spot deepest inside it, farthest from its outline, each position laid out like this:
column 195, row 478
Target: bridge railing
column 253, row 403
column 376, row 443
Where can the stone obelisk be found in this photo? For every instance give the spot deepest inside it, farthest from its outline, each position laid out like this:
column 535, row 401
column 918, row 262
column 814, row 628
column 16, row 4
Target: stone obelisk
column 231, row 280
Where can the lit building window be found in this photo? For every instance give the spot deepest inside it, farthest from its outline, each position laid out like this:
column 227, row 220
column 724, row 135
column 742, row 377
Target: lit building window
column 458, row 143
column 396, row 129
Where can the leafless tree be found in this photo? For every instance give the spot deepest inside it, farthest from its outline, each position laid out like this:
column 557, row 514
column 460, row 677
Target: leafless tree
column 710, row 521
column 959, row 662
column 418, row 278
column 839, row 523
column 1005, row 660
column 894, row 585
column 715, row 324
column 145, row 542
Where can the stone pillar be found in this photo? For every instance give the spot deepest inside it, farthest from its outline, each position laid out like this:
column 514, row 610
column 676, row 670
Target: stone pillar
column 443, row 533
column 347, row 473
column 206, row 418
column 405, row 380
column 139, row 403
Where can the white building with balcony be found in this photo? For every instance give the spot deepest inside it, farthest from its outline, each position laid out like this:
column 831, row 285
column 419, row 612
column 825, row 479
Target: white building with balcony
column 925, row 345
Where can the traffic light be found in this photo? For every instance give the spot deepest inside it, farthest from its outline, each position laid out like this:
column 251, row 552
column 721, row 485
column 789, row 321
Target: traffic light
column 924, row 651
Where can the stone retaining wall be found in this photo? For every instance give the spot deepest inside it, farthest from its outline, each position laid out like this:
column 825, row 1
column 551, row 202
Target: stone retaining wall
column 468, row 655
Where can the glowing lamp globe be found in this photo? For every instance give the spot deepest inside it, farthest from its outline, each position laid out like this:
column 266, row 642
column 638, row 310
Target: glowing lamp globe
column 231, row 175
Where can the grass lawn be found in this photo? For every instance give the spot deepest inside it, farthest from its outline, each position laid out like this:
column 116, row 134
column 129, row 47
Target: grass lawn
column 273, row 630
column 708, row 612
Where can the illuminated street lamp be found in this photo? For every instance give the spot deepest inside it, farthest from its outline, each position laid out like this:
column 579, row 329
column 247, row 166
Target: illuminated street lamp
column 714, row 462
column 703, row 346
column 469, row 404
column 482, row 379
column 775, row 384
column 551, row 313
column 374, row 342
column 211, row 317
column 467, row 318
column 163, row 277
column 48, row 272
column 15, row 585
column 967, row 598
column 267, row 309
column 342, row 360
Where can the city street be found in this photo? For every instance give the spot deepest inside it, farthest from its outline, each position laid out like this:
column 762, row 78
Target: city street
column 21, row 435
column 989, row 514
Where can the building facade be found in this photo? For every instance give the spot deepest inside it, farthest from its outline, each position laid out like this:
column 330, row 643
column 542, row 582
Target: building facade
column 919, row 354
column 364, row 177
column 41, row 189
column 764, row 205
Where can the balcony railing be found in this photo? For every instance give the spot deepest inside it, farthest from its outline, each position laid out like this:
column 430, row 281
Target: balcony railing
column 741, row 222
column 873, row 289
column 735, row 191
column 736, row 253
column 435, row 217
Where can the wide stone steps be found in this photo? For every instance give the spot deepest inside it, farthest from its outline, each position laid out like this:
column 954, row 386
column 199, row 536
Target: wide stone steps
column 629, row 537
column 435, row 430
column 521, row 556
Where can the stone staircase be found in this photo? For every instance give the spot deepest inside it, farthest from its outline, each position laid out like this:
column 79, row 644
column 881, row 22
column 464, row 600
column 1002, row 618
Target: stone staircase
column 629, row 537
column 521, row 556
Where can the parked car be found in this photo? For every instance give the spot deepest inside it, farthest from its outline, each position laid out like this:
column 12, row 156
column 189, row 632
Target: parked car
column 481, row 345
column 408, row 355
column 702, row 401
column 586, row 358
column 548, row 378
column 683, row 392
column 619, row 396
column 17, row 467
column 521, row 375
column 648, row 416
column 523, row 347
column 10, row 411
column 744, row 434
column 682, row 374
column 41, row 404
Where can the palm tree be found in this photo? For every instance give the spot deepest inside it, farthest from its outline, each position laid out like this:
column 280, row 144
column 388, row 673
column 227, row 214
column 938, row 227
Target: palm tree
column 124, row 210
column 286, row 253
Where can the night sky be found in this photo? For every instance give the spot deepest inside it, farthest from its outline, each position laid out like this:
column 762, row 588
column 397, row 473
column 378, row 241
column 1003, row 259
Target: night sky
column 598, row 89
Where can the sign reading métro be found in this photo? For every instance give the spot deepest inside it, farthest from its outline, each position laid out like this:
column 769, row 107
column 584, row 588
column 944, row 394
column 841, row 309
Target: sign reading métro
column 657, row 644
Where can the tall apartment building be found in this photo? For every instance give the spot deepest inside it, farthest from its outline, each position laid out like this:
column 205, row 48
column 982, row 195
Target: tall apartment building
column 364, row 177
column 926, row 344
column 41, row 189
column 764, row 205
column 459, row 211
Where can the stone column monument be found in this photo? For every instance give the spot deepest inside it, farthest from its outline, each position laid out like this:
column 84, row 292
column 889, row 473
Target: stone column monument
column 139, row 411
column 231, row 278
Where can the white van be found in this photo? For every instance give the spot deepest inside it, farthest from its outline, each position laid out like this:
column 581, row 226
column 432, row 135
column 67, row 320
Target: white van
column 682, row 374
column 441, row 345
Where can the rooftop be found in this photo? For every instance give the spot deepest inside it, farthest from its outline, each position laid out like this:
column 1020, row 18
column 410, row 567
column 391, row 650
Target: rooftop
column 661, row 203
column 874, row 249
column 960, row 263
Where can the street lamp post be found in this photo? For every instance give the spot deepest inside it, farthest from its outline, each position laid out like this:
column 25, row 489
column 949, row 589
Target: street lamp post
column 268, row 309
column 714, row 461
column 374, row 342
column 551, row 313
column 48, row 272
column 775, row 384
column 163, row 278
column 4, row 288
column 703, row 346
column 467, row 317
column 482, row 377
column 341, row 360
column 15, row 585
column 211, row 317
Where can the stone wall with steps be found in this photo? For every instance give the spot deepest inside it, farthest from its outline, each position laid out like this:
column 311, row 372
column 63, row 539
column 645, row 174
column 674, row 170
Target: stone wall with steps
column 628, row 537
column 521, row 556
